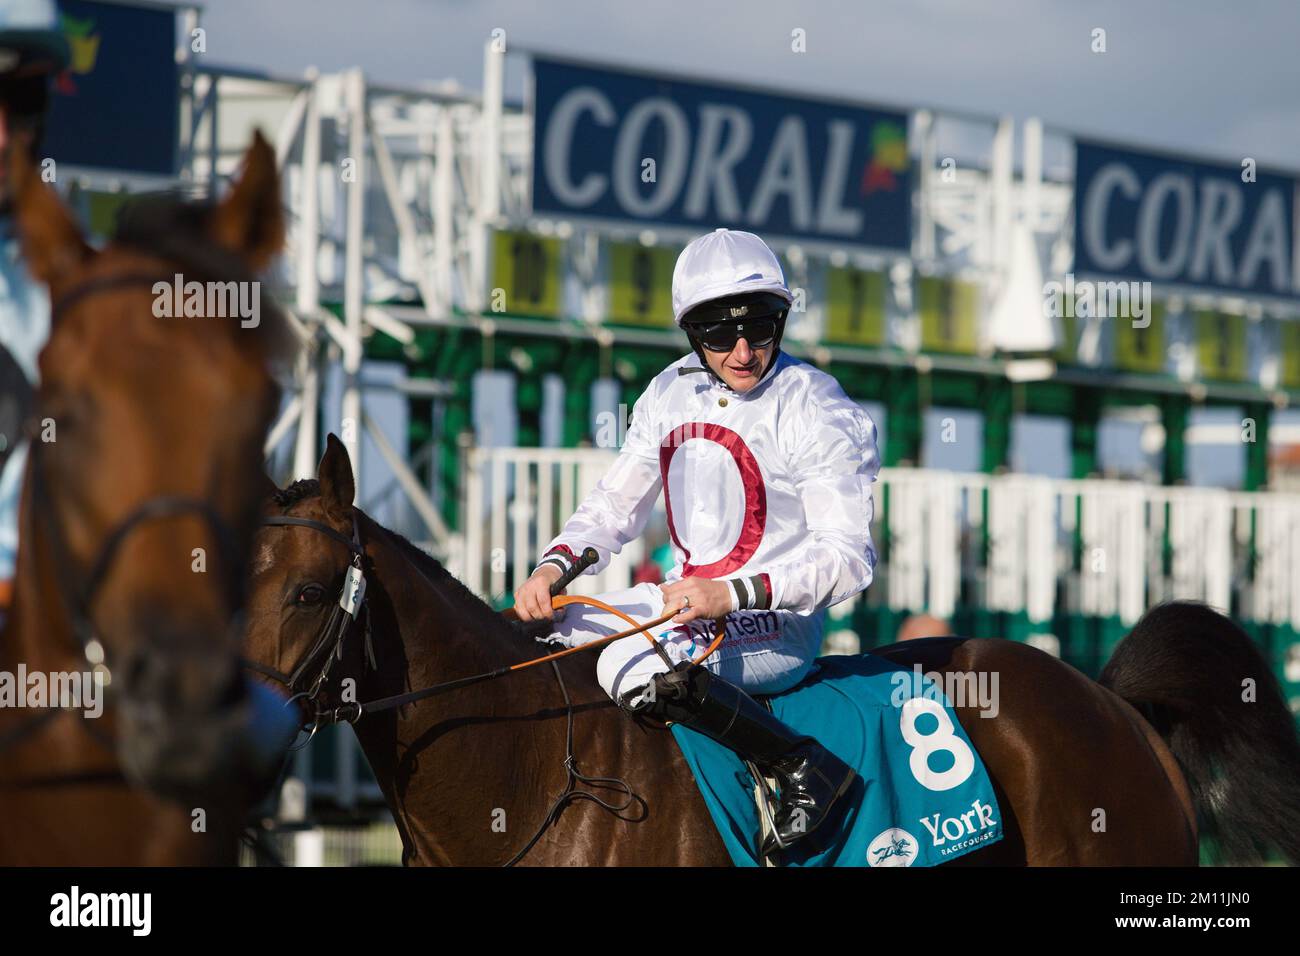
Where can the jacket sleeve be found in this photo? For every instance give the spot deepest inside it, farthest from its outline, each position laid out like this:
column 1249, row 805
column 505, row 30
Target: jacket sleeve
column 837, row 461
column 617, row 509
column 11, row 484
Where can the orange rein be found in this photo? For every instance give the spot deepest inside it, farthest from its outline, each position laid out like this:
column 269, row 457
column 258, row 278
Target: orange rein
column 563, row 600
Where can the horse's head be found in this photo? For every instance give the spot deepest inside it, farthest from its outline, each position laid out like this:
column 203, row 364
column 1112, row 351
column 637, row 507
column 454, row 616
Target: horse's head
column 146, row 465
column 303, row 557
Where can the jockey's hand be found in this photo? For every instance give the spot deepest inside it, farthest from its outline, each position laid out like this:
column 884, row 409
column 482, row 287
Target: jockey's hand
column 708, row 599
column 533, row 597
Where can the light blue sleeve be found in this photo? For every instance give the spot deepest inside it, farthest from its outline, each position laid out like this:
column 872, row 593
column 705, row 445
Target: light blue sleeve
column 24, row 309
column 11, row 486
column 24, row 327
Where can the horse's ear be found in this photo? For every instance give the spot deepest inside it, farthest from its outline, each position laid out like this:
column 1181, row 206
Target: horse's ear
column 52, row 241
column 250, row 220
column 337, row 487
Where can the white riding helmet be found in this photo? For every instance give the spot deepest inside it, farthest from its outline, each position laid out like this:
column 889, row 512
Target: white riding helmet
column 724, row 263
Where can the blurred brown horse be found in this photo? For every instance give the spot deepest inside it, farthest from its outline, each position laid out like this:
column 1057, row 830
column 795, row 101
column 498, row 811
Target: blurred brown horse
column 1081, row 777
column 145, row 467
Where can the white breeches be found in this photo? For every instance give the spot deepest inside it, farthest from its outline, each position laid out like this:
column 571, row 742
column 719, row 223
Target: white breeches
column 765, row 652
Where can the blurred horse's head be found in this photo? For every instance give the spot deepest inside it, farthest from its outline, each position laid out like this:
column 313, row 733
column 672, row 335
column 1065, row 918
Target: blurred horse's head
column 146, row 460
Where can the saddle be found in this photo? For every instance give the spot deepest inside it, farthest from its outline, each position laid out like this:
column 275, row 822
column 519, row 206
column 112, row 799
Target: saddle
column 923, row 795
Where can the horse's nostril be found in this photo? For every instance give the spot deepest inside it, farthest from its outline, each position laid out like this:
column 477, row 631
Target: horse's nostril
column 144, row 674
column 180, row 674
column 133, row 671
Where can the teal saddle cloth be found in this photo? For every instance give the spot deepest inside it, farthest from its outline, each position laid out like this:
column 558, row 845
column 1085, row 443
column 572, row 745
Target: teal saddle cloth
column 922, row 796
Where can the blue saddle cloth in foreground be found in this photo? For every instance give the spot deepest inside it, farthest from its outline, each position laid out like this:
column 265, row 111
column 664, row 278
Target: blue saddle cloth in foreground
column 922, row 796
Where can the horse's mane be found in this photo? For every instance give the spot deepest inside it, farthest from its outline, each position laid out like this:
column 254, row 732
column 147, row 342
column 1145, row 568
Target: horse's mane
column 174, row 226
column 296, row 492
column 470, row 605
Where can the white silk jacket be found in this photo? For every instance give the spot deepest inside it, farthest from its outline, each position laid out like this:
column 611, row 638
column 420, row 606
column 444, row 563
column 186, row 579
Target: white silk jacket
column 769, row 489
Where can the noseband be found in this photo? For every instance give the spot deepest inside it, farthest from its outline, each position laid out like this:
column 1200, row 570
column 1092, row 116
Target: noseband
column 78, row 604
column 328, row 646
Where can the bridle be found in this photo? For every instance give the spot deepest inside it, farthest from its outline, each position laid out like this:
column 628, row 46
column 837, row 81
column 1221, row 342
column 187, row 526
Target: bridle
column 349, row 605
column 78, row 604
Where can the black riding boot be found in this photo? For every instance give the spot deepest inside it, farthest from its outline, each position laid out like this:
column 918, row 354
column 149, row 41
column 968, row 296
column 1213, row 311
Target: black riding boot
column 810, row 778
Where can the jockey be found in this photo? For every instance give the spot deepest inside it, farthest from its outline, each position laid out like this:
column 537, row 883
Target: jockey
column 766, row 467
column 32, row 51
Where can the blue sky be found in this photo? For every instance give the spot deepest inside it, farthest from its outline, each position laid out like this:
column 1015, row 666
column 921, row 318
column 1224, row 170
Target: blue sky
column 1205, row 77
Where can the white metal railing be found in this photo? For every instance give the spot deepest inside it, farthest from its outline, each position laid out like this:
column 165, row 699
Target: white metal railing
column 378, row 844
column 515, row 501
column 1017, row 543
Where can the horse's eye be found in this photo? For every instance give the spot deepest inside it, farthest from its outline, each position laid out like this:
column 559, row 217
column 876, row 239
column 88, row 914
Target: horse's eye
column 311, row 594
column 65, row 407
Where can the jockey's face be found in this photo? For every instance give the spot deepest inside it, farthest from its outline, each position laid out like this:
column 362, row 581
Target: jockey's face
column 742, row 367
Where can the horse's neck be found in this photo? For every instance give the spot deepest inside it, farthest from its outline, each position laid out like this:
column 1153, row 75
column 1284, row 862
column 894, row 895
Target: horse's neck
column 428, row 631
column 438, row 624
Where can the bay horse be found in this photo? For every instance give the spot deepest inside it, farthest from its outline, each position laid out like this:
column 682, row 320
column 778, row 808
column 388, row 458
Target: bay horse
column 1081, row 776
column 143, row 487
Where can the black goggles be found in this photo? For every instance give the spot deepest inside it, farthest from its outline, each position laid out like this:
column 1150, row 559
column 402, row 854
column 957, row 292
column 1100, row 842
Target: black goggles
column 723, row 336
